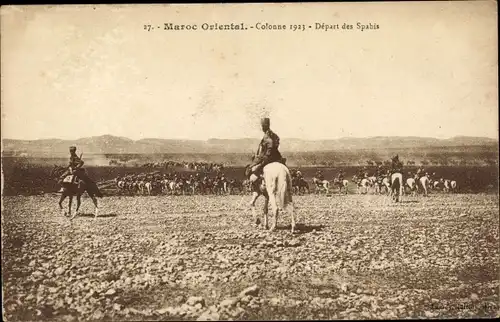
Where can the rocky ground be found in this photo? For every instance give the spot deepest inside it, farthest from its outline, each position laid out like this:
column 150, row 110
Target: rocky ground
column 200, row 258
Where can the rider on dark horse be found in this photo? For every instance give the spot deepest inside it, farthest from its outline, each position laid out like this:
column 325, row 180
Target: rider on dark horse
column 266, row 153
column 75, row 167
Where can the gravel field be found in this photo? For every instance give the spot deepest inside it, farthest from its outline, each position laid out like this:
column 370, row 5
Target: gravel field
column 200, row 257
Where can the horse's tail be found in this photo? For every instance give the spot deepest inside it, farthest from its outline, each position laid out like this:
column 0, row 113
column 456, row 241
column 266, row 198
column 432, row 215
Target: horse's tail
column 289, row 190
column 284, row 190
column 396, row 183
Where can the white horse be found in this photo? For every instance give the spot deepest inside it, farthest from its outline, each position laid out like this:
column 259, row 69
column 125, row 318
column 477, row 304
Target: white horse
column 276, row 187
column 425, row 183
column 397, row 186
column 364, row 184
column 141, row 187
column 172, row 186
column 148, row 187
column 341, row 184
column 373, row 183
column 165, row 186
column 387, row 184
column 447, row 185
column 382, row 187
column 412, row 184
column 321, row 185
column 453, row 185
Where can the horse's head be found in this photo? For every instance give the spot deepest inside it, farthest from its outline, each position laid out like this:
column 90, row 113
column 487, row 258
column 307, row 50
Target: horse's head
column 57, row 170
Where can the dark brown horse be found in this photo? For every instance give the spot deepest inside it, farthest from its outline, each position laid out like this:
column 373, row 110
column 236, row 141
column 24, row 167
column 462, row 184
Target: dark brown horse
column 76, row 188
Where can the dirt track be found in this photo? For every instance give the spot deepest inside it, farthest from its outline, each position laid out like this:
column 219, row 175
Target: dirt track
column 161, row 258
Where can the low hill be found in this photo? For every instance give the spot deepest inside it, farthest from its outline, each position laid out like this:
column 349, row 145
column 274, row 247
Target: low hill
column 108, row 144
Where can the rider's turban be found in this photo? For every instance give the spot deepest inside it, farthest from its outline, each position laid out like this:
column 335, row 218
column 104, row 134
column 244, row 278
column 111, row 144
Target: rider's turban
column 72, row 148
column 265, row 121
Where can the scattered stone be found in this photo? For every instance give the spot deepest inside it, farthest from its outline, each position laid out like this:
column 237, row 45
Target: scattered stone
column 110, row 292
column 59, row 271
column 193, row 300
column 251, row 291
column 209, row 315
column 274, row 301
column 228, row 302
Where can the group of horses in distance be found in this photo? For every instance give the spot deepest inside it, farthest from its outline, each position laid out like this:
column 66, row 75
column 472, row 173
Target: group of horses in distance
column 277, row 186
column 382, row 184
column 179, row 184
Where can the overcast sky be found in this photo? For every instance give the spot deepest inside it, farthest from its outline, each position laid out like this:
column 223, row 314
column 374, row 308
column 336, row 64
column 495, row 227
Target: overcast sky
column 429, row 70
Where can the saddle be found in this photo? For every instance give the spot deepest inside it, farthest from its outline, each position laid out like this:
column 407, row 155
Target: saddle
column 71, row 179
column 248, row 168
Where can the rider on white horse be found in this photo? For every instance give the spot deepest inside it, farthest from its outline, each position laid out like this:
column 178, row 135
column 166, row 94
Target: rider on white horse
column 267, row 152
column 397, row 173
column 340, row 176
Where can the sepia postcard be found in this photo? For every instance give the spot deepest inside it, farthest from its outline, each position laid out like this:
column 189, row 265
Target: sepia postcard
column 277, row 161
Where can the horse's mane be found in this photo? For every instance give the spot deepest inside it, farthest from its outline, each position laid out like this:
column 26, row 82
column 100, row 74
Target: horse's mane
column 57, row 170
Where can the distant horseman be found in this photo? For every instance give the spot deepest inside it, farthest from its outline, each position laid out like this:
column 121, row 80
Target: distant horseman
column 396, row 165
column 319, row 175
column 397, row 185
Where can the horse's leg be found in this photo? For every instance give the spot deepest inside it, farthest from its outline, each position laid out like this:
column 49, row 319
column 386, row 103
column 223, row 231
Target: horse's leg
column 78, row 202
column 255, row 195
column 291, row 208
column 401, row 192
column 265, row 209
column 96, row 208
column 61, row 199
column 274, row 210
column 69, row 206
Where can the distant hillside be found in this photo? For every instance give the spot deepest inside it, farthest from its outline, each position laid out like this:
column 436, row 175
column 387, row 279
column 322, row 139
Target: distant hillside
column 108, row 144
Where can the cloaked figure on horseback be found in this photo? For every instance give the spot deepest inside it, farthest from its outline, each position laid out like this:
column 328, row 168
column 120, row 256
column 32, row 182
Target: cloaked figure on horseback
column 269, row 176
column 267, row 152
column 74, row 181
column 74, row 167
